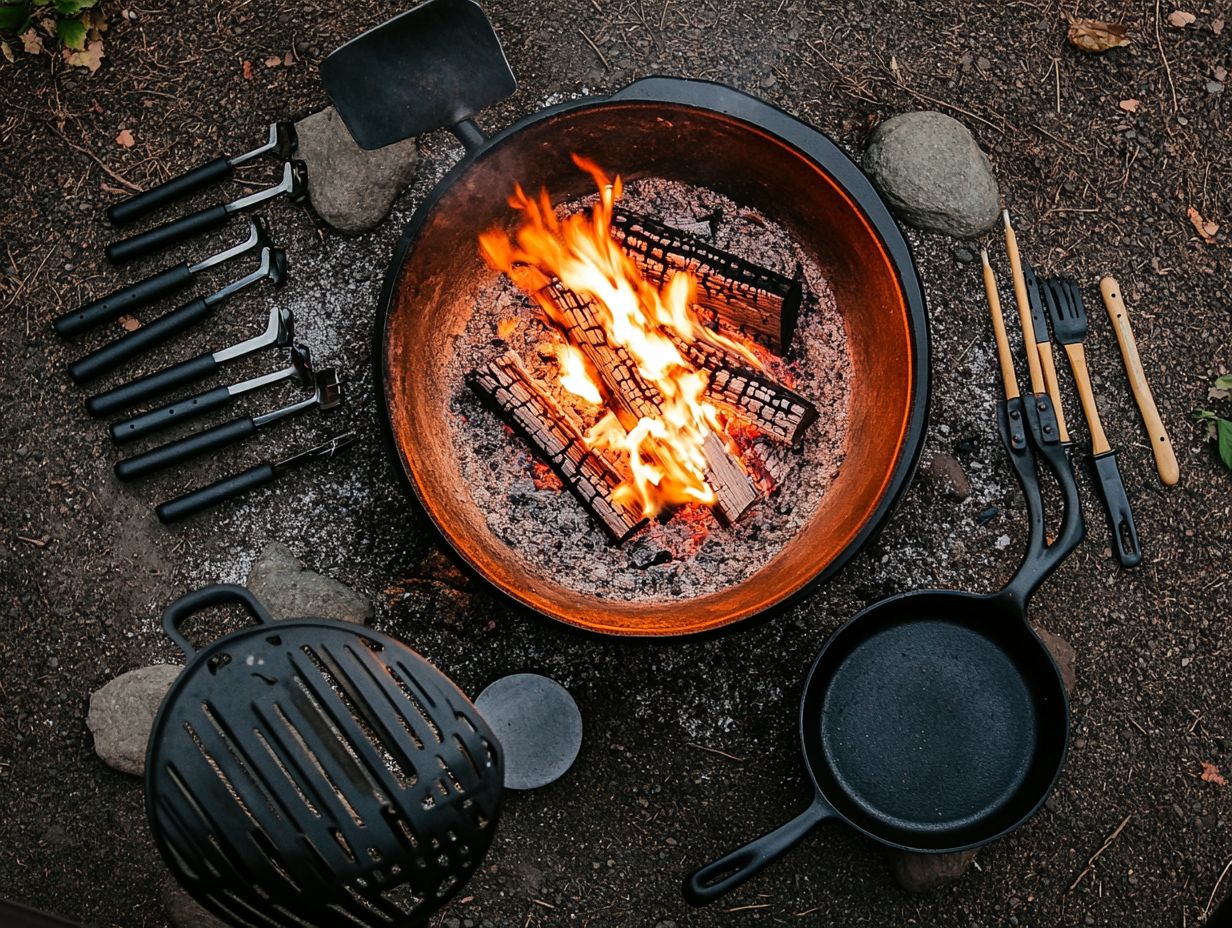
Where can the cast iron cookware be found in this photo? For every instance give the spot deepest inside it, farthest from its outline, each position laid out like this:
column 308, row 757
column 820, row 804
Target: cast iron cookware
column 313, row 773
column 688, row 131
column 936, row 721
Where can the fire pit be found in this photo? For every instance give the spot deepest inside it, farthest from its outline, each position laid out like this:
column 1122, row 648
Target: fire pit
column 684, row 133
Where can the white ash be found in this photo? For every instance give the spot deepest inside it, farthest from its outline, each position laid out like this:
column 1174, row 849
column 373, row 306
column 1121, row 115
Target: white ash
column 689, row 554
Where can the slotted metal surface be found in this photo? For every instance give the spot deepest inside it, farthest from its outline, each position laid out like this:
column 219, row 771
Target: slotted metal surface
column 309, row 773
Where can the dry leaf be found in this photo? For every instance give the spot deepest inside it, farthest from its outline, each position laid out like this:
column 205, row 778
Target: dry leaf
column 91, row 57
column 247, row 70
column 1205, row 227
column 1216, row 26
column 1095, row 36
column 288, row 59
column 32, row 42
column 1180, row 19
column 7, row 51
column 129, row 324
column 1211, row 774
column 125, row 139
column 1130, row 106
column 273, row 61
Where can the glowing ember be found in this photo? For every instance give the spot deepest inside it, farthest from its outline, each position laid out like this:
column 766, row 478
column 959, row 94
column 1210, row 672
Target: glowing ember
column 667, row 457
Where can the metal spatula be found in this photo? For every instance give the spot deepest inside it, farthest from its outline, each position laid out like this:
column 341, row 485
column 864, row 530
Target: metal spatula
column 1069, row 324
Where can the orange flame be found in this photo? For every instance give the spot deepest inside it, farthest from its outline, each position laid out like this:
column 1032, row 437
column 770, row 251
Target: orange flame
column 666, row 453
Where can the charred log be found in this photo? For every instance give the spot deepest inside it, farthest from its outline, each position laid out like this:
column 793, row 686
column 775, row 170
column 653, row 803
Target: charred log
column 761, row 303
column 522, row 402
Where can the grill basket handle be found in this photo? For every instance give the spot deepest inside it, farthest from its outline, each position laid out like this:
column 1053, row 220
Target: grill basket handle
column 221, row 594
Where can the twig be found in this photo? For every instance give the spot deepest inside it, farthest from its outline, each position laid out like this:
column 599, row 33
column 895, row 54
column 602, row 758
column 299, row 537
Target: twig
column 97, row 160
column 1094, row 857
column 1164, row 58
column 702, row 747
column 606, row 66
column 1211, row 898
column 1057, row 66
column 746, row 908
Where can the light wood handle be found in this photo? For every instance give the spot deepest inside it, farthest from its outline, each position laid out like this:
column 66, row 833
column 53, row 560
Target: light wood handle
column 1082, row 379
column 1049, row 368
column 1008, row 375
column 1024, row 306
column 1161, row 445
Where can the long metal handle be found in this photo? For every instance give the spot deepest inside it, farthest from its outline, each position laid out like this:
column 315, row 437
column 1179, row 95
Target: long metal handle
column 163, row 236
column 169, row 191
column 178, row 411
column 207, row 497
column 134, row 343
column 150, row 386
column 185, row 449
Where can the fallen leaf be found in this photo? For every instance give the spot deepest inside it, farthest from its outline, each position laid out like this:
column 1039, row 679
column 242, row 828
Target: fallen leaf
column 1206, row 228
column 1220, row 72
column 7, row 51
column 273, row 61
column 125, row 139
column 1130, row 106
column 129, row 324
column 32, row 42
column 91, row 58
column 247, row 70
column 288, row 59
column 72, row 33
column 1180, row 19
column 1221, row 389
column 1216, row 26
column 1211, row 774
column 1095, row 36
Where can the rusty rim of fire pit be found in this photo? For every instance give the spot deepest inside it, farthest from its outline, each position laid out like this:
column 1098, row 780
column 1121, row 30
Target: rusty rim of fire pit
column 890, row 353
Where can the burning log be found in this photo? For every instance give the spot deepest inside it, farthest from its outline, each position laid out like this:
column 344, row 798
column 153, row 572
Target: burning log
column 523, row 403
column 761, row 303
column 754, row 395
column 632, row 398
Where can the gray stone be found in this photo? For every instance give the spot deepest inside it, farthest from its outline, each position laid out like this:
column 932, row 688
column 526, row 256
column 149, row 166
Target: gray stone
column 122, row 713
column 1063, row 653
column 183, row 911
column 921, row 873
column 944, row 470
column 538, row 725
column 351, row 189
column 933, row 174
column 290, row 591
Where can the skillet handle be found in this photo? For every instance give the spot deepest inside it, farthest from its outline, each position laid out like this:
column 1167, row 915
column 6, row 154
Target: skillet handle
column 725, row 874
column 218, row 595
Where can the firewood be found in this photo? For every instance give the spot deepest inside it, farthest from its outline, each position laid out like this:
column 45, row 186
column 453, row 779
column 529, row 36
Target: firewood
column 758, row 302
column 751, row 394
column 519, row 399
column 632, row 398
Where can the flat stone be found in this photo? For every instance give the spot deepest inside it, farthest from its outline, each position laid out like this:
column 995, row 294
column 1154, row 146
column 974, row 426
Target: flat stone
column 351, row 189
column 946, row 472
column 183, row 911
column 933, row 174
column 922, row 873
column 537, row 724
column 289, row 590
column 121, row 715
column 1062, row 652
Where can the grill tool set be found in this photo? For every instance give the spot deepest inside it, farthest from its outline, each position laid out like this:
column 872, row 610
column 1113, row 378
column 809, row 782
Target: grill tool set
column 323, row 386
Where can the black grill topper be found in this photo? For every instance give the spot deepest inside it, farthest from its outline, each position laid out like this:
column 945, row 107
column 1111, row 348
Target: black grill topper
column 314, row 773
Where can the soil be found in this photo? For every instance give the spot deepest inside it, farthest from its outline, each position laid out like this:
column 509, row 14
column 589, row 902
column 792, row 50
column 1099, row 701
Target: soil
column 690, row 746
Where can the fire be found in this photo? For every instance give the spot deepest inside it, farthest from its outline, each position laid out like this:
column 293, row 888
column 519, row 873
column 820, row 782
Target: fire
column 666, row 453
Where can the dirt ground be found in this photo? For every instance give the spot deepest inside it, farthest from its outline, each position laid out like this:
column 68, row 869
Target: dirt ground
column 690, row 746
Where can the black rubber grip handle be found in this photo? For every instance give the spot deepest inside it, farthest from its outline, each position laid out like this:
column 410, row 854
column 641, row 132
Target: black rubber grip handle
column 165, row 416
column 167, row 192
column 128, row 346
column 1116, row 505
column 185, row 449
column 152, row 240
column 228, row 488
column 150, row 386
column 130, row 298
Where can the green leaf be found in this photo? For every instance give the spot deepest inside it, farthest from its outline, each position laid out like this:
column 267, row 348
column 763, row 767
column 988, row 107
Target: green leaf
column 72, row 7
column 1224, row 382
column 1225, row 442
column 13, row 16
column 72, row 33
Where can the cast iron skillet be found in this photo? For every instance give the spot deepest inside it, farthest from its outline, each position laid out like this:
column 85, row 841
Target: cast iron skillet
column 935, row 721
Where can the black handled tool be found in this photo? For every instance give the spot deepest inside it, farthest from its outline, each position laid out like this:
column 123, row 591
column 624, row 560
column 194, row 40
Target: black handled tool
column 162, row 284
column 1043, row 347
column 282, row 141
column 327, row 395
column 1069, row 324
column 294, row 182
column 230, row 487
column 192, row 406
column 279, row 332
column 96, row 363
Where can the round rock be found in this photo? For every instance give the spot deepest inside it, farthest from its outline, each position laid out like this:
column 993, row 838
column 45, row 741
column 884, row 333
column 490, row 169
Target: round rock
column 922, row 873
column 122, row 713
column 290, row 591
column 538, row 725
column 933, row 174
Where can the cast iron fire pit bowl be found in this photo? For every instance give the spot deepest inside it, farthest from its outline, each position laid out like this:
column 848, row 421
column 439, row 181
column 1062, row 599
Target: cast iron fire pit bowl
column 698, row 133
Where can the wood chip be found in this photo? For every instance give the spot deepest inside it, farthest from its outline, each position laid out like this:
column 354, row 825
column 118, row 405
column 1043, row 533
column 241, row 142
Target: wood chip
column 1180, row 19
column 1130, row 106
column 1205, row 227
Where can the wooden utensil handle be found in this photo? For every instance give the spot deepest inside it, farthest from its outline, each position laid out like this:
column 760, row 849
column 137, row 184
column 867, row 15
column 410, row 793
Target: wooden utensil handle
column 1161, row 445
column 1049, row 368
column 1082, row 379
column 1008, row 376
column 1024, row 307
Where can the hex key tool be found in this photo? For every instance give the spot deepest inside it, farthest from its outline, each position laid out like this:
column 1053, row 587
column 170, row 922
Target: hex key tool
column 294, row 182
column 327, row 395
column 192, row 406
column 279, row 332
column 273, row 268
column 162, row 284
column 282, row 141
